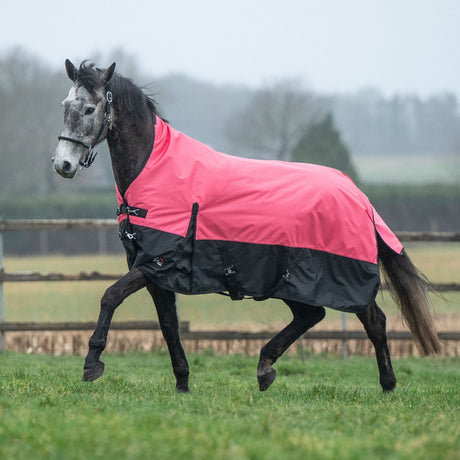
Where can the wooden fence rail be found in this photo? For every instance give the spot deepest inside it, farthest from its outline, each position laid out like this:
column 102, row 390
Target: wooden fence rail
column 11, row 225
column 23, row 277
column 186, row 333
column 184, row 326
column 15, row 225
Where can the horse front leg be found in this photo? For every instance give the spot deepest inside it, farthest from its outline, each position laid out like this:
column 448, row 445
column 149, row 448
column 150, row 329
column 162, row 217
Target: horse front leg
column 374, row 322
column 112, row 298
column 305, row 317
column 165, row 303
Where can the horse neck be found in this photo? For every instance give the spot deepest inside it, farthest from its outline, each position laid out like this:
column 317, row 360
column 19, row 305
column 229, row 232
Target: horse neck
column 130, row 144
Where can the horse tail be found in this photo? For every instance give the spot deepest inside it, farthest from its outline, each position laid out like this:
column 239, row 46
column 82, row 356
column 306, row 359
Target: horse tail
column 409, row 288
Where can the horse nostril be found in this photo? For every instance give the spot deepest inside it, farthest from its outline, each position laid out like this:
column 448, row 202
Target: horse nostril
column 66, row 166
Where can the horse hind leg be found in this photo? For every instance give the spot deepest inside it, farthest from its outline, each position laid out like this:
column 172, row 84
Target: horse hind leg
column 165, row 303
column 305, row 317
column 374, row 322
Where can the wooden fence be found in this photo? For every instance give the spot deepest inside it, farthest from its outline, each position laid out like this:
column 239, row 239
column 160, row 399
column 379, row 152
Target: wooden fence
column 186, row 333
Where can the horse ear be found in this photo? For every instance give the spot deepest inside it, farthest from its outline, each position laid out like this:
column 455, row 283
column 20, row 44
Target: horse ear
column 72, row 71
column 108, row 74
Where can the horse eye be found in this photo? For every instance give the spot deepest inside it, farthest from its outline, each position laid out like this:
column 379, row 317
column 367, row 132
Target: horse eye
column 89, row 110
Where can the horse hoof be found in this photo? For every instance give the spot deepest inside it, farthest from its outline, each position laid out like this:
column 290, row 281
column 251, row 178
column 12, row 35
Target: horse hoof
column 389, row 389
column 182, row 389
column 266, row 379
column 93, row 373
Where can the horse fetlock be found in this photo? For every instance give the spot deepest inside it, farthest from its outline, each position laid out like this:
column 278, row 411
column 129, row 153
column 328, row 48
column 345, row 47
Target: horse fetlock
column 181, row 372
column 182, row 375
column 388, row 384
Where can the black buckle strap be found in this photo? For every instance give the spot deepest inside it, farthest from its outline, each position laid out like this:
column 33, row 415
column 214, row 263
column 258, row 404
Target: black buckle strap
column 230, row 274
column 131, row 211
column 229, row 271
column 127, row 236
column 89, row 159
column 232, row 285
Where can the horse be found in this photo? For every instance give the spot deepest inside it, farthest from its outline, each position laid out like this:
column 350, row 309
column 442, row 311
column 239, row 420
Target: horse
column 193, row 220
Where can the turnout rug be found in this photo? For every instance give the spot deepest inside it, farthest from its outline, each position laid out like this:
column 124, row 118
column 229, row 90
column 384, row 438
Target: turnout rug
column 198, row 221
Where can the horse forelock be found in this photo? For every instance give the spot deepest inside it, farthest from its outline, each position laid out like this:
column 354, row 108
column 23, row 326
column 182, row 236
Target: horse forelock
column 88, row 76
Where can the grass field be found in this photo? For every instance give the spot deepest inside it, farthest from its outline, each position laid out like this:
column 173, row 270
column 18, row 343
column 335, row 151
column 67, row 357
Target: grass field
column 326, row 409
column 407, row 169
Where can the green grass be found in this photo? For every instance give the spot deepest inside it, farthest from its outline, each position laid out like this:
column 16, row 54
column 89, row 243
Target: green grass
column 416, row 169
column 326, row 409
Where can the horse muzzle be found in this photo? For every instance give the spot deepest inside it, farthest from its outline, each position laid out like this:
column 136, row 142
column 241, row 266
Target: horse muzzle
column 65, row 167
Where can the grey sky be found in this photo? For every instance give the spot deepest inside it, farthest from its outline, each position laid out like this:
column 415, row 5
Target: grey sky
column 333, row 45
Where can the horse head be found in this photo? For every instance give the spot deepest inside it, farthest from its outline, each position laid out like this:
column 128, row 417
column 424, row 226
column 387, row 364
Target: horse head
column 87, row 117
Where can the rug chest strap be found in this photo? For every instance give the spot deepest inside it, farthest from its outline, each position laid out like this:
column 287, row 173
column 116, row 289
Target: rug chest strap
column 131, row 211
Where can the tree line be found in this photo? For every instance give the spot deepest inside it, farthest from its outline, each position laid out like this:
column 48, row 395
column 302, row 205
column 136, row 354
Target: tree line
column 283, row 120
column 401, row 124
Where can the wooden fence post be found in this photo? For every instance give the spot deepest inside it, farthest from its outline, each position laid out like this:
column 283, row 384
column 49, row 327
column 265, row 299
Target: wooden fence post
column 43, row 236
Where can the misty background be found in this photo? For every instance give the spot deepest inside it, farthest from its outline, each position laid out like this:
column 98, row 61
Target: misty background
column 369, row 87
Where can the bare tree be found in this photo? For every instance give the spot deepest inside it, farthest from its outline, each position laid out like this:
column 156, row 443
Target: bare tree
column 30, row 119
column 273, row 120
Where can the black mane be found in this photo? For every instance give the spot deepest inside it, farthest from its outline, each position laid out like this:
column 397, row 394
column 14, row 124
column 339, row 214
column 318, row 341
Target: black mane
column 126, row 95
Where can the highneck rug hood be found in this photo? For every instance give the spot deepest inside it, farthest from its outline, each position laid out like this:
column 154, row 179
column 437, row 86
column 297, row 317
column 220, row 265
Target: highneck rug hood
column 197, row 221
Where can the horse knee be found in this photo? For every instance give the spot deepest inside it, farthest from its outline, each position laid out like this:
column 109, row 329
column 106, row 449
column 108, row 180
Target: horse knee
column 125, row 286
column 109, row 301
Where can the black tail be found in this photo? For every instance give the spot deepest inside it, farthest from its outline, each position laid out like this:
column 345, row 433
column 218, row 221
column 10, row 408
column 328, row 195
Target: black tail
column 409, row 289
